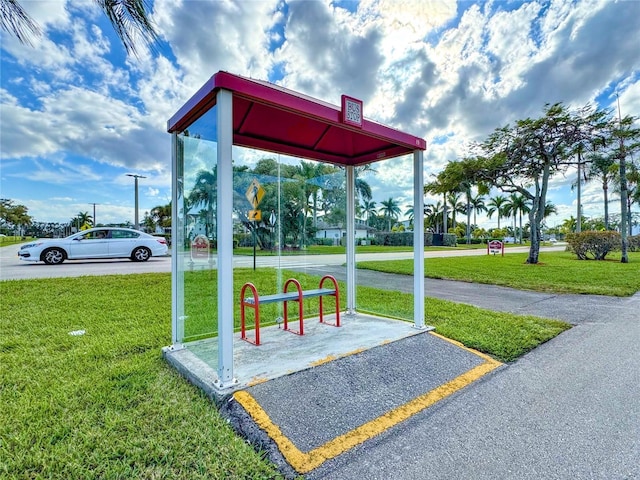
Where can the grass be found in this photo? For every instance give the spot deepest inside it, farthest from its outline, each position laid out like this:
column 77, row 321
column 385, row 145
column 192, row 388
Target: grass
column 201, row 298
column 13, row 240
column 322, row 250
column 557, row 272
column 105, row 405
column 330, row 250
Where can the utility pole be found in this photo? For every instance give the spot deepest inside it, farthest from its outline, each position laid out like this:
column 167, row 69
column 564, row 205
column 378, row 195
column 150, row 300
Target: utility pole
column 136, row 177
column 95, row 224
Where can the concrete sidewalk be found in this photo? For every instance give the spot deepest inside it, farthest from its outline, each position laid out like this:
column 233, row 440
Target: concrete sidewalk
column 569, row 409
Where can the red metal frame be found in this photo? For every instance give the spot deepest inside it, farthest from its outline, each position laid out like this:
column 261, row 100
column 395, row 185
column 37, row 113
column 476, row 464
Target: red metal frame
column 300, row 307
column 256, row 308
column 336, row 295
column 292, row 281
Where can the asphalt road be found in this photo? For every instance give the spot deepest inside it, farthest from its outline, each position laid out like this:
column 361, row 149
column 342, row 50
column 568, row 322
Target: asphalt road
column 11, row 268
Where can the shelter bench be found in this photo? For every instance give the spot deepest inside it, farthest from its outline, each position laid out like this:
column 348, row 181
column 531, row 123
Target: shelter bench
column 298, row 295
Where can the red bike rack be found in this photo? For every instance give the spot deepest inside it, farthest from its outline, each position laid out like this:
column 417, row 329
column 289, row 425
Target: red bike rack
column 297, row 295
column 336, row 294
column 256, row 308
column 299, row 300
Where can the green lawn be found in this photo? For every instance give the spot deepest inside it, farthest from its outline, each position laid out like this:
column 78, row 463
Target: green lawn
column 557, row 272
column 13, row 240
column 105, row 405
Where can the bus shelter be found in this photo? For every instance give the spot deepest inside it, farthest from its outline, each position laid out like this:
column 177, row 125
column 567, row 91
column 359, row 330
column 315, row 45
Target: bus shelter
column 226, row 199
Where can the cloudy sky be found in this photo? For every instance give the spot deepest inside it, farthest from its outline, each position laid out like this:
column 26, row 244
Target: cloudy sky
column 78, row 114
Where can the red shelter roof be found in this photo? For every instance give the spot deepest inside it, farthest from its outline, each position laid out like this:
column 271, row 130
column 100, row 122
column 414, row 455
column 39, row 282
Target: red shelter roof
column 273, row 118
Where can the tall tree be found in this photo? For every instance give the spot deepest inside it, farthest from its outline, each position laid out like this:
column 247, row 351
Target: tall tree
column 496, row 205
column 458, row 179
column 82, row 220
column 433, row 216
column 601, row 169
column 13, row 216
column 442, row 185
column 202, row 199
column 516, row 205
column 369, row 209
column 523, row 157
column 453, row 199
column 161, row 215
column 628, row 136
column 477, row 204
column 390, row 209
column 128, row 17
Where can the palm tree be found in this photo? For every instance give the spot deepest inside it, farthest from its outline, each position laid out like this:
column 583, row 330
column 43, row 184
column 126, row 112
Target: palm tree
column 433, row 216
column 128, row 18
column 549, row 209
column 82, row 219
column 161, row 215
column 409, row 213
column 477, row 204
column 369, row 209
column 496, row 205
column 363, row 189
column 390, row 209
column 456, row 205
column 515, row 206
column 204, row 194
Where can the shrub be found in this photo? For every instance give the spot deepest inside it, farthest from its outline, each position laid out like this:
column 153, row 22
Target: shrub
column 449, row 240
column 325, row 242
column 395, row 239
column 593, row 245
column 474, row 241
column 634, row 243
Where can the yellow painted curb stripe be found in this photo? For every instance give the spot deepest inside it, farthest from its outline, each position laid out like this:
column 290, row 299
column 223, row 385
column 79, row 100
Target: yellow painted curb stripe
column 305, row 462
column 458, row 344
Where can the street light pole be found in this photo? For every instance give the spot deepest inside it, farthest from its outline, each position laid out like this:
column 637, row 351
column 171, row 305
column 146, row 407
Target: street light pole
column 95, row 224
column 136, row 177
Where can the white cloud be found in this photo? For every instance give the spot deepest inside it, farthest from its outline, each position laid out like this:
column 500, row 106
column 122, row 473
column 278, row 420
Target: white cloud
column 450, row 72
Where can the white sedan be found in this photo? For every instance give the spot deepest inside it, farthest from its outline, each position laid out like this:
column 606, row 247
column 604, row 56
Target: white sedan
column 100, row 242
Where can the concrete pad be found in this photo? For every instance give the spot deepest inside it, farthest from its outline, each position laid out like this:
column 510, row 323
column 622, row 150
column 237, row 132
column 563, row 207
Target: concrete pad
column 282, row 352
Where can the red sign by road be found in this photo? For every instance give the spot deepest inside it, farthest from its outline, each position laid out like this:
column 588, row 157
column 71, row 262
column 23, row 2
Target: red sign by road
column 495, row 246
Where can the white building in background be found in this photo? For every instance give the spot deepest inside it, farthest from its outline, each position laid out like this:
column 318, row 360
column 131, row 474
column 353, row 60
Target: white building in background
column 337, row 232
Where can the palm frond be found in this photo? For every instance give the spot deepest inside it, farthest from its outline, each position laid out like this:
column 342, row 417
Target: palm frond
column 17, row 22
column 130, row 21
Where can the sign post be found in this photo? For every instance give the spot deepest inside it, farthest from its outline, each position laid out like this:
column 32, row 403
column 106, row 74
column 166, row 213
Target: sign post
column 495, row 246
column 254, row 194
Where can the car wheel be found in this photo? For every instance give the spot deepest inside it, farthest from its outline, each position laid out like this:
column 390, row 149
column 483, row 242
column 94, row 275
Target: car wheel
column 141, row 254
column 53, row 256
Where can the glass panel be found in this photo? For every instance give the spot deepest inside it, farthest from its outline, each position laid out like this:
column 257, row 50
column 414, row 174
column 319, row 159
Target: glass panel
column 384, row 225
column 196, row 230
column 280, row 205
column 289, row 221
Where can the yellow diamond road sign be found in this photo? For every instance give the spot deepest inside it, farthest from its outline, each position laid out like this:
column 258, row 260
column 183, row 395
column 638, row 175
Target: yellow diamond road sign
column 254, row 193
column 255, row 215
